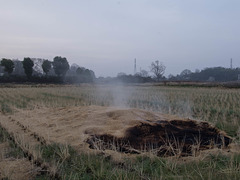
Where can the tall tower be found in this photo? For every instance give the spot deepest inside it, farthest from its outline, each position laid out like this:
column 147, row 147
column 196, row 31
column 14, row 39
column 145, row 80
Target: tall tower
column 231, row 66
column 135, row 66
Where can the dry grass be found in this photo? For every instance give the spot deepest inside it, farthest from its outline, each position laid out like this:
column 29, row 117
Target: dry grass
column 48, row 113
column 13, row 164
column 215, row 105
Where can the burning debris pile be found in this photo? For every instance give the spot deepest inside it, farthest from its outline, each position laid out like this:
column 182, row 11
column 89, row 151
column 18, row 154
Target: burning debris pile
column 181, row 137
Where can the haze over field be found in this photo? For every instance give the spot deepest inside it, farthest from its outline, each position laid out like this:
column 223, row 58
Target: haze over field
column 107, row 35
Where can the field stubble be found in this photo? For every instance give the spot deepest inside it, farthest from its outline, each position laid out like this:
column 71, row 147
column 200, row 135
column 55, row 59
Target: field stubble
column 221, row 107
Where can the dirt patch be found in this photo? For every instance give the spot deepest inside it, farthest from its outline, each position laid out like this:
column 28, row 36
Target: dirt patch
column 120, row 130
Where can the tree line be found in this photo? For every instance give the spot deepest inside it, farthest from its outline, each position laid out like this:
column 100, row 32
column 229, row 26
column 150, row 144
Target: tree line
column 213, row 74
column 53, row 71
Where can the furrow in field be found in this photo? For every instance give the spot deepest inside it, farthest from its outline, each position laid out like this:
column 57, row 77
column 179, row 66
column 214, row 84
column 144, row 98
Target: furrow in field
column 28, row 141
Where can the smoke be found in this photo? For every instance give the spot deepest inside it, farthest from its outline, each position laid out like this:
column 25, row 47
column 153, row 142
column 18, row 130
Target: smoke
column 121, row 95
column 148, row 98
column 117, row 95
column 184, row 108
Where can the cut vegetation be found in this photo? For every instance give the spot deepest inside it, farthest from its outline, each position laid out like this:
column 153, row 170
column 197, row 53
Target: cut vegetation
column 66, row 134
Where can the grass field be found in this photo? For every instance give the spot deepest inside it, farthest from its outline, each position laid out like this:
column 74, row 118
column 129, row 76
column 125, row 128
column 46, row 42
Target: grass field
column 219, row 106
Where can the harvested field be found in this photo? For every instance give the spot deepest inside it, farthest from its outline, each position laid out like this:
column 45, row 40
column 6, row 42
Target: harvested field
column 13, row 168
column 20, row 169
column 116, row 129
column 124, row 132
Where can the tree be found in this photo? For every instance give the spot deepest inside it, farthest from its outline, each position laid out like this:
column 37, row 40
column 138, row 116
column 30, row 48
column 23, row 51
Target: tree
column 185, row 74
column 158, row 69
column 197, row 71
column 8, row 65
column 73, row 70
column 60, row 65
column 80, row 71
column 46, row 66
column 121, row 74
column 170, row 77
column 143, row 73
column 85, row 75
column 28, row 66
column 18, row 68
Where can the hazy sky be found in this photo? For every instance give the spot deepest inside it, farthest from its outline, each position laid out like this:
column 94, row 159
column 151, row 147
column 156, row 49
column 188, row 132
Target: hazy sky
column 106, row 35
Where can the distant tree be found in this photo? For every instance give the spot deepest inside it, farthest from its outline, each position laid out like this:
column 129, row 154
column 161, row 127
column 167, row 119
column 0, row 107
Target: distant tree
column 8, row 65
column 37, row 68
column 185, row 74
column 197, row 71
column 46, row 66
column 73, row 70
column 143, row 73
column 60, row 65
column 18, row 68
column 121, row 74
column 28, row 66
column 92, row 74
column 85, row 75
column 80, row 71
column 170, row 77
column 158, row 69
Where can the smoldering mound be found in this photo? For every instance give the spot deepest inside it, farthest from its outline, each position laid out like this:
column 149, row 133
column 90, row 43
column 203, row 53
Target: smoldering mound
column 122, row 130
column 166, row 138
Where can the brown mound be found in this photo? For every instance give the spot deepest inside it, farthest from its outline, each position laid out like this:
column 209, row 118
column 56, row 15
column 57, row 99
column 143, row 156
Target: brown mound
column 167, row 138
column 121, row 130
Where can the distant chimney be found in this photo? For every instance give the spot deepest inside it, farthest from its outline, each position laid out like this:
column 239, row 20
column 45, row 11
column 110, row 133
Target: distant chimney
column 135, row 66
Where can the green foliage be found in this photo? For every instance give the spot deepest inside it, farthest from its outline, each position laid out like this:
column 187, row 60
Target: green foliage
column 15, row 151
column 28, row 66
column 57, row 152
column 228, row 127
column 46, row 66
column 92, row 166
column 60, row 65
column 8, row 65
column 74, row 166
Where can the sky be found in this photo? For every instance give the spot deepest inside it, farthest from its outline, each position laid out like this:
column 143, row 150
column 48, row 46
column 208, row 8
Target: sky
column 107, row 35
